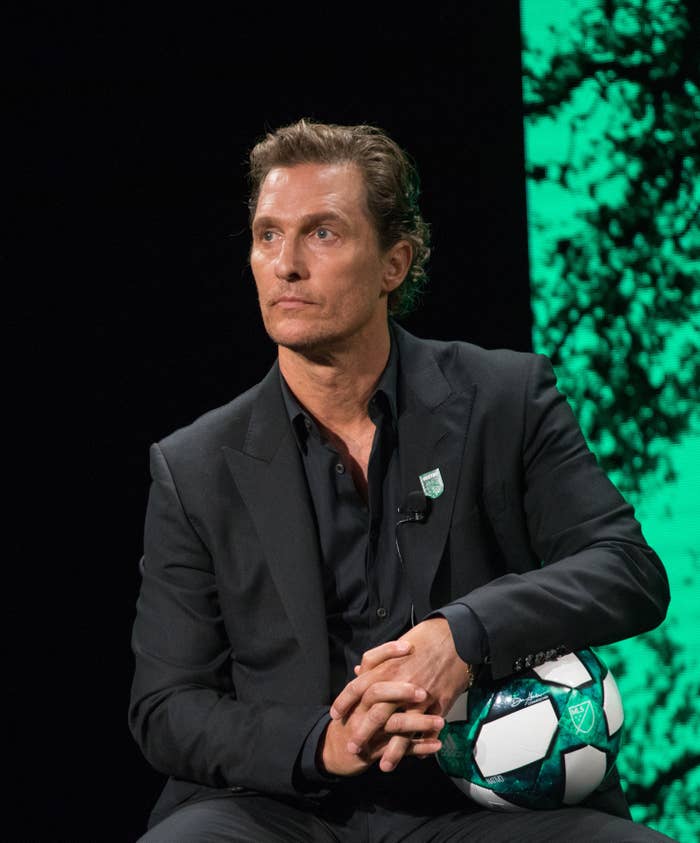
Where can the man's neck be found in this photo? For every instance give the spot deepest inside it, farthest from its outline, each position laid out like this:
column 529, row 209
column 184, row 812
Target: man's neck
column 337, row 388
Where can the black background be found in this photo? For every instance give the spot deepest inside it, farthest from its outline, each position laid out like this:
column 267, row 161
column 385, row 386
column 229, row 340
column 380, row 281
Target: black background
column 134, row 311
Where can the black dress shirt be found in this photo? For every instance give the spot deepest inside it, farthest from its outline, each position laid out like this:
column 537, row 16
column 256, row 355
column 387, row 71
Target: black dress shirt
column 366, row 592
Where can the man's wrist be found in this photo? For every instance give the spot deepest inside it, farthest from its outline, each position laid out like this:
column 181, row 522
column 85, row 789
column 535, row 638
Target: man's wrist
column 320, row 747
column 468, row 634
column 311, row 774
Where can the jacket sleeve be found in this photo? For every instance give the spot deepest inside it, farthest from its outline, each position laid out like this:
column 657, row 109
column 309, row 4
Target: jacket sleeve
column 599, row 581
column 184, row 713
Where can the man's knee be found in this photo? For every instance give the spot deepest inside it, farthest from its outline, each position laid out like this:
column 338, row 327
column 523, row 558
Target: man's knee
column 243, row 819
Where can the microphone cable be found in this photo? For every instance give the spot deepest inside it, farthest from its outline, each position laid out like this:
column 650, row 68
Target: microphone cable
column 414, row 510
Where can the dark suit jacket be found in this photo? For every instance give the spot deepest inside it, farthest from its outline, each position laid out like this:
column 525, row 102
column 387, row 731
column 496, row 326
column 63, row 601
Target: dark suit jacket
column 230, row 639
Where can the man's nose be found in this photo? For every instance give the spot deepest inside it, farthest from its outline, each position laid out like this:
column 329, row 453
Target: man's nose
column 290, row 264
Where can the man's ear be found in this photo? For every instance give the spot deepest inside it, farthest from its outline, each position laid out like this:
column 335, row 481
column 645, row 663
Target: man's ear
column 396, row 264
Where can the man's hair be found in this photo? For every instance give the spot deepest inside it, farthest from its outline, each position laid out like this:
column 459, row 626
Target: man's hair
column 391, row 181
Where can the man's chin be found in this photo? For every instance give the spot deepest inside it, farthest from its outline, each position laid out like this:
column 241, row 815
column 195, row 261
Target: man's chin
column 319, row 338
column 302, row 344
column 307, row 342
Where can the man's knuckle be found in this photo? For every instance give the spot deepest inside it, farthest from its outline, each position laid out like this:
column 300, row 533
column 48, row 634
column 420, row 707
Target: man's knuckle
column 374, row 693
column 397, row 722
column 377, row 715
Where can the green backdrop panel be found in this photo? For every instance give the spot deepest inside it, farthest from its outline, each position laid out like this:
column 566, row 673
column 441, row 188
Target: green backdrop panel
column 612, row 125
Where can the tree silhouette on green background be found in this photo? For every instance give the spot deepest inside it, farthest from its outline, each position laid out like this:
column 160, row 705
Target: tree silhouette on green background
column 612, row 116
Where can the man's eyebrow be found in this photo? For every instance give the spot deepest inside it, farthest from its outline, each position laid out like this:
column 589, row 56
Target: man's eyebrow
column 307, row 221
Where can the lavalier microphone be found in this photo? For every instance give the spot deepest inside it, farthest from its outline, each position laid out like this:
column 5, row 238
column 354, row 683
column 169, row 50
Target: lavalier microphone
column 415, row 508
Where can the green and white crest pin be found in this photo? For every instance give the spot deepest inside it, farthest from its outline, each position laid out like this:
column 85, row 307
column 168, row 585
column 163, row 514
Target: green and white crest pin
column 432, row 484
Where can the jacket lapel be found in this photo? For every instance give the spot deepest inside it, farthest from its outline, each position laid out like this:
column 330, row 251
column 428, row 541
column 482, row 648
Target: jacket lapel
column 432, row 428
column 270, row 477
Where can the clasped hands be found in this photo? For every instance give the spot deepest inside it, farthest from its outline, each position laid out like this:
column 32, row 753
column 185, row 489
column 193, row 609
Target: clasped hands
column 394, row 706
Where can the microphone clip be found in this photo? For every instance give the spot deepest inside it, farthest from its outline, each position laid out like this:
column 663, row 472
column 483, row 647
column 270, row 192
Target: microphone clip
column 415, row 507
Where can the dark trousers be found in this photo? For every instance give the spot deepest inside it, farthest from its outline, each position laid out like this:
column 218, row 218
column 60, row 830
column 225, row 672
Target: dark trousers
column 260, row 819
column 412, row 804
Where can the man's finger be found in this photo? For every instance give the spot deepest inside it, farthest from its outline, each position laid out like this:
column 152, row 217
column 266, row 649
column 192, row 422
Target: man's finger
column 370, row 692
column 413, row 722
column 383, row 718
column 377, row 655
column 395, row 750
column 397, row 692
column 372, row 723
column 348, row 697
column 424, row 747
column 377, row 706
column 400, row 746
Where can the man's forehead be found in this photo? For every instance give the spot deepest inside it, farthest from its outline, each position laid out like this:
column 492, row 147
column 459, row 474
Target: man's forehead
column 316, row 171
column 311, row 183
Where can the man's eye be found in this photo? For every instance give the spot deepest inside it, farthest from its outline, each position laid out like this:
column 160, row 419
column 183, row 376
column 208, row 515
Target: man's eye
column 323, row 233
column 267, row 236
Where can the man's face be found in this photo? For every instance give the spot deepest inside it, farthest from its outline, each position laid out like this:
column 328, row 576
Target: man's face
column 321, row 277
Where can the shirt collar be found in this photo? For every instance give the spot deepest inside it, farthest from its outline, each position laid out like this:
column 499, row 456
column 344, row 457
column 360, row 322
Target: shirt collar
column 383, row 401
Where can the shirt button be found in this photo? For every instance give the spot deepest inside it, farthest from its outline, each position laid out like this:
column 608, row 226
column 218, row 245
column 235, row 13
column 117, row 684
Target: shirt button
column 307, row 423
column 339, row 468
column 382, row 612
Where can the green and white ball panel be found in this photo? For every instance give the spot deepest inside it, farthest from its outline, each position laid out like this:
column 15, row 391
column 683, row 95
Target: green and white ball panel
column 568, row 670
column 540, row 739
column 612, row 705
column 458, row 712
column 486, row 797
column 584, row 769
column 516, row 740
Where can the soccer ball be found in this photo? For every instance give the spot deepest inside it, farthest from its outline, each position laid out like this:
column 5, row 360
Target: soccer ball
column 542, row 739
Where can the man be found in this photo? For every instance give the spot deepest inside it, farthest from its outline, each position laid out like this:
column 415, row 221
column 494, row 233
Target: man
column 307, row 616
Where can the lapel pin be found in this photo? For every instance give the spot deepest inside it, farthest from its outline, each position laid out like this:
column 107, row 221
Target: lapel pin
column 431, row 483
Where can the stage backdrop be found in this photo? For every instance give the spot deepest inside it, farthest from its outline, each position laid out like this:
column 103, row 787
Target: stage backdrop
column 612, row 129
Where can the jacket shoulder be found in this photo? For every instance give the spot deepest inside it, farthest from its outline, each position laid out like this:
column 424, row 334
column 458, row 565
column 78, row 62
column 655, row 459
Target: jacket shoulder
column 492, row 369
column 203, row 437
column 485, row 361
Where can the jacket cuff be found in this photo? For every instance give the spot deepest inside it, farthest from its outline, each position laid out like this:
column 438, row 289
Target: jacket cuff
column 308, row 777
column 469, row 635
